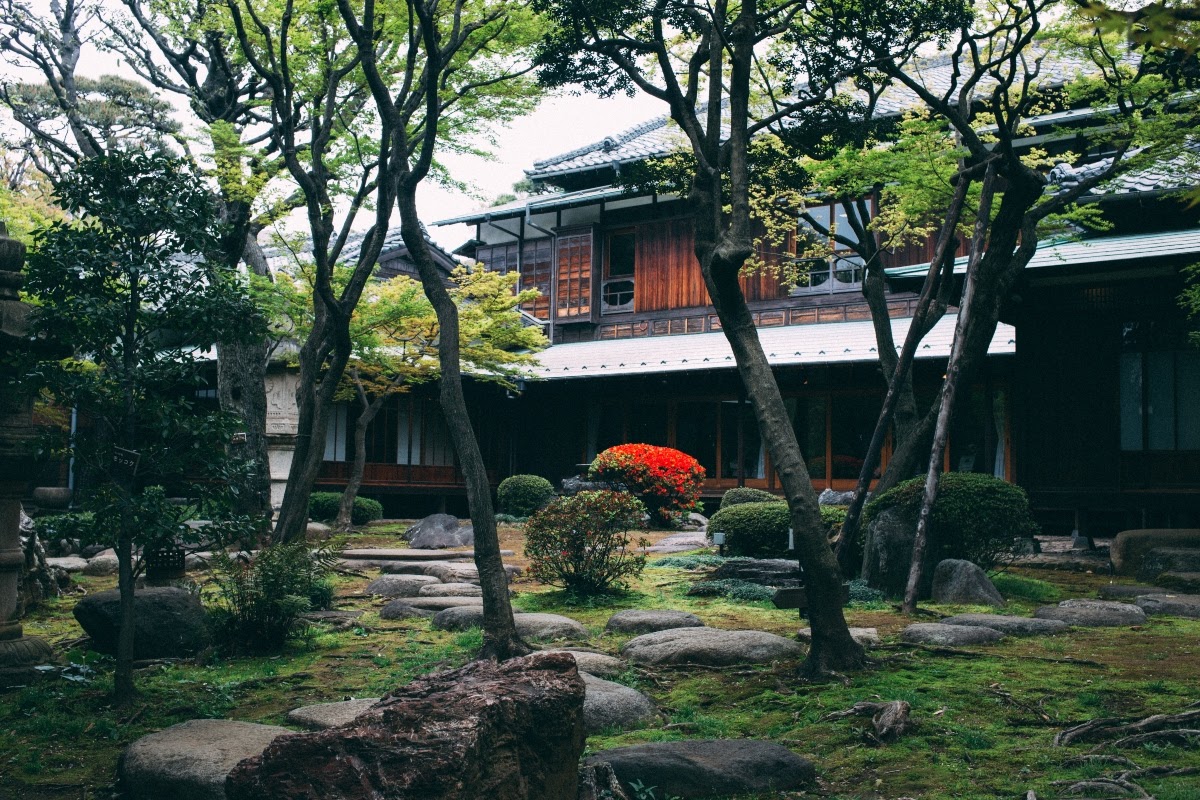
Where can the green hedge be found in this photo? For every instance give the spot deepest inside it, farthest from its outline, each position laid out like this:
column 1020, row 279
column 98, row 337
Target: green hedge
column 975, row 517
column 324, row 506
column 744, row 494
column 521, row 495
column 759, row 530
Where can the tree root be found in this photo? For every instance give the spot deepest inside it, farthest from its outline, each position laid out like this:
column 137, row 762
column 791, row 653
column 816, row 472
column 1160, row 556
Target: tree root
column 1107, row 787
column 1181, row 736
column 891, row 719
column 1114, row 728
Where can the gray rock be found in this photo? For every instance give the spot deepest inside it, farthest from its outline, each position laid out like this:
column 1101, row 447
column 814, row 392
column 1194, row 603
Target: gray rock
column 937, row 633
column 1129, row 548
column 680, row 542
column 1010, row 625
column 1170, row 605
column 56, row 497
column 330, row 715
column 442, row 603
column 831, row 498
column 593, row 663
column 1120, row 591
column 450, row 590
column 530, row 626
column 68, row 563
column 709, row 646
column 1169, row 559
column 400, row 609
column 575, row 485
column 438, row 531
column 867, row 637
column 339, row 620
column 638, row 621
column 1180, row 581
column 453, row 572
column 1026, row 546
column 698, row 768
column 399, row 585
column 197, row 561
column 317, row 532
column 191, row 760
column 889, row 554
column 958, row 581
column 169, row 622
column 407, row 554
column 1093, row 613
column 781, row 572
column 611, row 705
column 697, row 521
column 24, row 523
column 102, row 564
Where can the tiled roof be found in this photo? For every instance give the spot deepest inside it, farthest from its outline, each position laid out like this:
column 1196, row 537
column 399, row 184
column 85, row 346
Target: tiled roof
column 824, row 343
column 393, row 249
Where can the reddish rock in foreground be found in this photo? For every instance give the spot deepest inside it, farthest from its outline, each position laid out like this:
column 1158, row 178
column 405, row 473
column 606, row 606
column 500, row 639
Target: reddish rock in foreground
column 510, row 731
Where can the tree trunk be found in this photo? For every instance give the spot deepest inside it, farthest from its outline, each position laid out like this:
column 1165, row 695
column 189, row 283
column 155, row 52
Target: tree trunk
column 123, row 688
column 346, row 510
column 500, row 638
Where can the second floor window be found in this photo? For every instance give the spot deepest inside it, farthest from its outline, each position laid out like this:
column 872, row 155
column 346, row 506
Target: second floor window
column 842, row 268
column 620, row 261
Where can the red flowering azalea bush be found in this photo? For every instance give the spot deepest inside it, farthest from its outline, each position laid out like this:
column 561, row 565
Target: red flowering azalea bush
column 582, row 544
column 667, row 480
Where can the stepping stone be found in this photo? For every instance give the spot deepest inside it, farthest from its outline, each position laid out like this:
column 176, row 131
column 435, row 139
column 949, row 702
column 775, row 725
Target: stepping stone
column 611, row 705
column 398, row 585
column 1180, row 581
column 948, row 635
column 638, row 621
column 450, row 590
column 400, row 609
column 1169, row 559
column 867, row 637
column 679, row 542
column 600, row 664
column 1093, row 613
column 1170, row 605
column 404, row 554
column 709, row 646
column 330, row 715
column 778, row 572
column 68, row 563
column 338, row 619
column 1120, row 591
column 529, row 626
column 191, row 760
column 103, row 564
column 442, row 603
column 1009, row 625
column 708, row 767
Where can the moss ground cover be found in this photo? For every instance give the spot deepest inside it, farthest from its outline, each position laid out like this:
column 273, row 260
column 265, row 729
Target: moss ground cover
column 986, row 717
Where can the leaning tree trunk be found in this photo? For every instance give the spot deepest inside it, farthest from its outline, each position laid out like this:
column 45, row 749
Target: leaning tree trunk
column 346, row 510
column 500, row 638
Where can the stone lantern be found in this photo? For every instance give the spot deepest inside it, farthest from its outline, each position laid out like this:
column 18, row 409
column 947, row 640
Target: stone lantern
column 18, row 653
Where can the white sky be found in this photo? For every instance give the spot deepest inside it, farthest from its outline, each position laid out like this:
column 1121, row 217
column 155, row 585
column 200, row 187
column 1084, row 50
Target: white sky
column 560, row 124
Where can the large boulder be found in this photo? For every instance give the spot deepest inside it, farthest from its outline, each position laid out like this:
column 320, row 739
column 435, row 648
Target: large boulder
column 101, row 564
column 168, row 621
column 636, row 620
column 1170, row 605
column 708, row 767
column 889, row 554
column 829, row 497
column 191, row 760
column 710, row 647
column 509, row 731
column 330, row 715
column 438, row 531
column 611, row 705
column 779, row 572
column 1093, row 613
column 958, row 581
column 1009, row 625
column 399, row 585
column 941, row 635
column 1129, row 547
column 1180, row 581
column 400, row 609
column 1168, row 559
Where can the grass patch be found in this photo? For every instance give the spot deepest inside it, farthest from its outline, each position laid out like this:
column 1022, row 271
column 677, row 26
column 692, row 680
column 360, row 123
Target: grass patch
column 1018, row 587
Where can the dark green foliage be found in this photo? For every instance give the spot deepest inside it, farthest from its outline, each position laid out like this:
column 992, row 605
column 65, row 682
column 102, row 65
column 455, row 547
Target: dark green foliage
column 861, row 592
column 258, row 604
column 733, row 589
column 744, row 494
column 521, row 495
column 688, row 562
column 975, row 517
column 324, row 506
column 833, row 517
column 581, row 543
column 757, row 530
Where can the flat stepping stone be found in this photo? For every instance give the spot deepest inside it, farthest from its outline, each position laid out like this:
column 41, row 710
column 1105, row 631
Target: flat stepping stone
column 68, row 563
column 611, row 705
column 680, row 542
column 1180, row 581
column 866, row 637
column 442, row 603
column 936, row 633
column 330, row 715
column 450, row 590
column 1170, row 605
column 405, row 554
column 340, row 619
column 1122, row 591
column 400, row 609
column 1093, row 613
column 1009, row 625
column 529, row 626
column 639, row 621
column 709, row 646
column 191, row 760
column 398, row 585
column 591, row 662
column 708, row 767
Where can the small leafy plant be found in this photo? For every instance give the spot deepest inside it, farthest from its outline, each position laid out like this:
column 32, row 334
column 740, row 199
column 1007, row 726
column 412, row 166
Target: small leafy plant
column 582, row 543
column 521, row 495
column 666, row 480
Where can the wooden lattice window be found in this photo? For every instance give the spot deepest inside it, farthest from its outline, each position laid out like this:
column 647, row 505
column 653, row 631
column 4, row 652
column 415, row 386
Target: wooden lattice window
column 537, row 265
column 502, row 258
column 574, row 299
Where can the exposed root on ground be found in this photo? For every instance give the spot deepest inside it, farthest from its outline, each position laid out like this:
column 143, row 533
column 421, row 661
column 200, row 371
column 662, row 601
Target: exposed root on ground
column 1115, row 728
column 891, row 719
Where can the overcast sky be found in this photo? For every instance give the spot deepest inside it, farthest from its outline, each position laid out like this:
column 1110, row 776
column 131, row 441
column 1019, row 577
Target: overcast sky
column 560, row 124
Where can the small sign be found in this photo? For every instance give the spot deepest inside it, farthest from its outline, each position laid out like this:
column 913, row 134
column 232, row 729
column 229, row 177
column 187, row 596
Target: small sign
column 791, row 539
column 125, row 462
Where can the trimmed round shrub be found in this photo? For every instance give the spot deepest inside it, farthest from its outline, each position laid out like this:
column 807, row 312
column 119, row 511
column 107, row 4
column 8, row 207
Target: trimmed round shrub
column 975, row 517
column 582, row 543
column 744, row 494
column 666, row 480
column 521, row 495
column 324, row 506
column 759, row 530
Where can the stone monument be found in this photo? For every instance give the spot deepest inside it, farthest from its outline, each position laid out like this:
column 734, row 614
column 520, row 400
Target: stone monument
column 18, row 653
